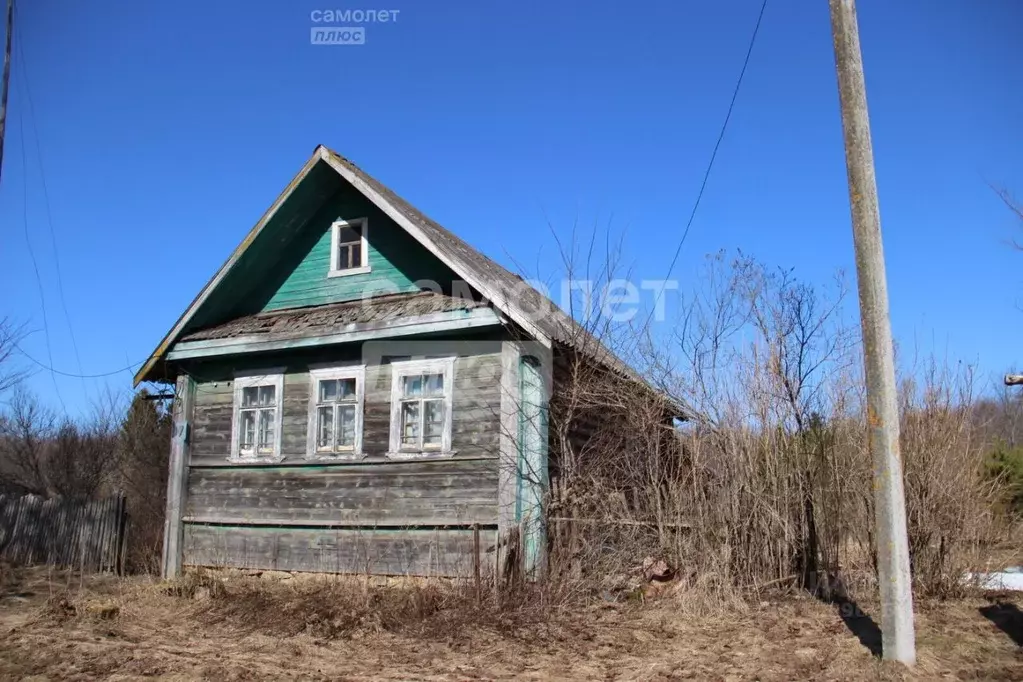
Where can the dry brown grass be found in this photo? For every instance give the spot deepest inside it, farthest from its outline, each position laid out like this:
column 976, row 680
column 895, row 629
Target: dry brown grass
column 336, row 629
column 345, row 607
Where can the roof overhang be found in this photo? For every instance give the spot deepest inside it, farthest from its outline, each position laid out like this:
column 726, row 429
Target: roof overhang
column 324, row 155
column 452, row 320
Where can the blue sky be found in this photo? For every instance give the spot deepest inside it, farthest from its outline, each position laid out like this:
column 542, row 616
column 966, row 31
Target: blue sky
column 162, row 131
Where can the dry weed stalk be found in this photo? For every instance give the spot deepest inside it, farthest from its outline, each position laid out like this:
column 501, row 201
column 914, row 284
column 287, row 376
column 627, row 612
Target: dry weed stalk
column 767, row 481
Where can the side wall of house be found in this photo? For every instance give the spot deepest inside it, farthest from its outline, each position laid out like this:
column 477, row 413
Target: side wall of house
column 373, row 515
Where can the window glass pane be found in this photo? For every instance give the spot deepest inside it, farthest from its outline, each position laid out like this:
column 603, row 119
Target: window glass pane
column 410, row 423
column 433, row 423
column 349, row 233
column 325, row 428
column 356, row 255
column 266, row 430
column 346, row 426
column 347, row 389
column 248, row 430
column 434, row 384
column 250, row 395
column 266, row 395
column 412, row 386
column 328, row 391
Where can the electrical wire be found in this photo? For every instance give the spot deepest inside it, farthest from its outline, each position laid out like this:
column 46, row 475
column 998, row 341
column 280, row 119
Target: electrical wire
column 46, row 203
column 713, row 156
column 35, row 264
column 129, row 368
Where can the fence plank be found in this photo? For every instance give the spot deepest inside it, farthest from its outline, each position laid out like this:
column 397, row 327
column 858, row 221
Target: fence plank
column 65, row 533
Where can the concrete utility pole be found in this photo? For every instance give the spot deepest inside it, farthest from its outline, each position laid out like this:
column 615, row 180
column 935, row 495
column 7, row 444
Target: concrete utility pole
column 898, row 642
column 6, row 79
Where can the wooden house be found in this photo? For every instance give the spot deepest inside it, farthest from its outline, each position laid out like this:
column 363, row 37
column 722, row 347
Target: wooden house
column 357, row 390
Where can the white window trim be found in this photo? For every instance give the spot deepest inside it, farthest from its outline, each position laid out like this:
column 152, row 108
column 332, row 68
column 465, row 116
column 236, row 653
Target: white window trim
column 273, row 377
column 335, row 231
column 445, row 366
column 357, row 372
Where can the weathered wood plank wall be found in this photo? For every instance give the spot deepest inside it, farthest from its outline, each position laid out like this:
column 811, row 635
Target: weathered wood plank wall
column 383, row 552
column 85, row 535
column 374, row 515
column 428, row 493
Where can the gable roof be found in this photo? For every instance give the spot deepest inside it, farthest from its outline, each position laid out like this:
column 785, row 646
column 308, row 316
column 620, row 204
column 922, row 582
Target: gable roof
column 540, row 317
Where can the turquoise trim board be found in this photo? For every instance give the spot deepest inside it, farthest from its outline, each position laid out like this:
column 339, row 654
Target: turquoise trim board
column 531, row 468
column 454, row 320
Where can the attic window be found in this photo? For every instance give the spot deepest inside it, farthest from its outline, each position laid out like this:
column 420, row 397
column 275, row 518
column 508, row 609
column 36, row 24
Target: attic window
column 348, row 247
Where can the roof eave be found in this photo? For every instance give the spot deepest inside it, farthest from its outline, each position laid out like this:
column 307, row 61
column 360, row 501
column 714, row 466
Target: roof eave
column 144, row 373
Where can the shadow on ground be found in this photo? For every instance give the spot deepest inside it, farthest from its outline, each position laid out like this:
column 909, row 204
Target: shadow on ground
column 1007, row 617
column 860, row 624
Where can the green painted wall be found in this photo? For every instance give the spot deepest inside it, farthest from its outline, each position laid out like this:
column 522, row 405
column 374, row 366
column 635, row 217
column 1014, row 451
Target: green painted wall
column 396, row 260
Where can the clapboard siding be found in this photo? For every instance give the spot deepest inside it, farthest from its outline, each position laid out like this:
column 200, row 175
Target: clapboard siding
column 475, row 419
column 397, row 261
column 414, row 552
column 417, row 493
column 373, row 515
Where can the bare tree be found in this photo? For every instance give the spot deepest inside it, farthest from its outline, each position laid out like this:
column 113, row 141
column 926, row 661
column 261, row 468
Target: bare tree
column 82, row 456
column 11, row 335
column 25, row 431
column 1014, row 206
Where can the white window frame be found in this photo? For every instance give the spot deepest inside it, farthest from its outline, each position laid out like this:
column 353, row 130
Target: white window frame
column 271, row 377
column 318, row 374
column 335, row 231
column 402, row 368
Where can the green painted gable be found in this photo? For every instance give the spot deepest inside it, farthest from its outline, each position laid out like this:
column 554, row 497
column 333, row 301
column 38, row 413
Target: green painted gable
column 286, row 265
column 396, row 260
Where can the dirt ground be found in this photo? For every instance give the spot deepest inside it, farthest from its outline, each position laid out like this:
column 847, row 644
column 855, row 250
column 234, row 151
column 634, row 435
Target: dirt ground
column 57, row 627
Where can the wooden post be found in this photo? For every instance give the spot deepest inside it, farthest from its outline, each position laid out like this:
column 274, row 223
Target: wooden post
column 176, row 479
column 476, row 560
column 497, row 570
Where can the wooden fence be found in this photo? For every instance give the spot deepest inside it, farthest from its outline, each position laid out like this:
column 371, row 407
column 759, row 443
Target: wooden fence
column 85, row 535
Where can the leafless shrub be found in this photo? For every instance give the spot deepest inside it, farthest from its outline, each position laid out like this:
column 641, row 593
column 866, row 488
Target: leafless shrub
column 767, row 482
column 82, row 456
column 951, row 503
column 44, row 455
column 25, row 430
column 142, row 458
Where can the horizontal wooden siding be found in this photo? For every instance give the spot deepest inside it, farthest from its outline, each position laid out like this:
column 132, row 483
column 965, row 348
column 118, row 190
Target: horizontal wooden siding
column 400, row 516
column 399, row 552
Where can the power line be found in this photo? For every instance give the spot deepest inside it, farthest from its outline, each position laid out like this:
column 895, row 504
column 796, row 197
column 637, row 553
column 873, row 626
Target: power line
column 32, row 257
column 49, row 368
column 713, row 155
column 46, row 203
